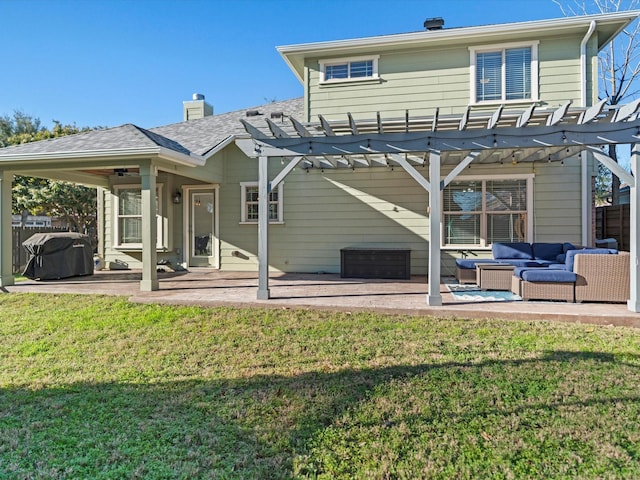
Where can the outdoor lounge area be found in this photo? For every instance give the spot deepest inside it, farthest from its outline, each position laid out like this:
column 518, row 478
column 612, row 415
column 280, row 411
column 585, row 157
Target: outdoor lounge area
column 551, row 271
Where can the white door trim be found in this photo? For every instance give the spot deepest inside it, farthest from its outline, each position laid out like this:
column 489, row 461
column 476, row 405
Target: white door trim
column 186, row 195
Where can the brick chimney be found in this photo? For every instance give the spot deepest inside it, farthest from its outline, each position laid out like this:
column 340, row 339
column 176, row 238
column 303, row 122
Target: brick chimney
column 196, row 108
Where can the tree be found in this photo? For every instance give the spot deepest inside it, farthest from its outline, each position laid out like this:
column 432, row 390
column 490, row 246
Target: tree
column 75, row 204
column 619, row 62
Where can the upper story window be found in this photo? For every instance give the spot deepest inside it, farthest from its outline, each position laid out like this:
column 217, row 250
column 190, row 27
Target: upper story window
column 506, row 73
column 480, row 211
column 348, row 69
column 249, row 212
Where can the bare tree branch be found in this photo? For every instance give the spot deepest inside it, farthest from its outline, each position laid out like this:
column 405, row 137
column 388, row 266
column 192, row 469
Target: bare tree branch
column 619, row 63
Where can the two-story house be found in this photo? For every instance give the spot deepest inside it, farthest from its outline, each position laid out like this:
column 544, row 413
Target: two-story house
column 437, row 142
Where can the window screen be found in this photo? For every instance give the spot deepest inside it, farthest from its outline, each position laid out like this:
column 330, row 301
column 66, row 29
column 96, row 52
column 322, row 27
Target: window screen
column 481, row 212
column 503, row 75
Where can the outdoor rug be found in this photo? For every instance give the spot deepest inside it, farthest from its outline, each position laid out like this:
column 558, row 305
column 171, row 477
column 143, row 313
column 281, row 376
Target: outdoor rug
column 471, row 293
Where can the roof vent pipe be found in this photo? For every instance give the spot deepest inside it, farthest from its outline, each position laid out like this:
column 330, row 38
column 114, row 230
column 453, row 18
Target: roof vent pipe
column 434, row 23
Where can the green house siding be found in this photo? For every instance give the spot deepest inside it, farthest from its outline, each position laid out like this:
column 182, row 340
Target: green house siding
column 558, row 203
column 330, row 210
column 421, row 80
column 324, row 212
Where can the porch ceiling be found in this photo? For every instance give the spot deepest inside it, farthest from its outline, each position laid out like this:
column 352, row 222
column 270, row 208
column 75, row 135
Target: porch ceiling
column 500, row 136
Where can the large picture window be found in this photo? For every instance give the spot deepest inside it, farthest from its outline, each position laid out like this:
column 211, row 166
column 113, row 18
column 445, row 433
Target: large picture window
column 479, row 212
column 504, row 74
column 249, row 192
column 128, row 224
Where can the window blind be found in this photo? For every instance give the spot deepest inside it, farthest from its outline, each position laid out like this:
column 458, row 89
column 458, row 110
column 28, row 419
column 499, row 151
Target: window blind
column 516, row 85
column 518, row 72
column 489, row 76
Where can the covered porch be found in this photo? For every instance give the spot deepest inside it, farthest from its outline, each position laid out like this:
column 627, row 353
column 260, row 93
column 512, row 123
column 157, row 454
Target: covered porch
column 121, row 157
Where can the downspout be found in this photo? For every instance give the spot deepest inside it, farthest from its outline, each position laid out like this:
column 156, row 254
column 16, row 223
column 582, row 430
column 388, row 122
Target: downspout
column 584, row 165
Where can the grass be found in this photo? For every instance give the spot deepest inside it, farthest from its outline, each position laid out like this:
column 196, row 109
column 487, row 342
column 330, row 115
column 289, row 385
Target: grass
column 96, row 387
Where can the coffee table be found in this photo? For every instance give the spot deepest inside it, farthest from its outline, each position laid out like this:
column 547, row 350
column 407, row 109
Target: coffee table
column 494, row 276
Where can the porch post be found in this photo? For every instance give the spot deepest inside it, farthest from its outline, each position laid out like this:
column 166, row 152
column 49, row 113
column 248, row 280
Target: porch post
column 6, row 264
column 148, row 173
column 633, row 303
column 433, row 296
column 263, row 228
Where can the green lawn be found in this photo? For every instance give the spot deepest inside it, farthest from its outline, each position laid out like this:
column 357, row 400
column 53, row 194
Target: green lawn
column 96, row 387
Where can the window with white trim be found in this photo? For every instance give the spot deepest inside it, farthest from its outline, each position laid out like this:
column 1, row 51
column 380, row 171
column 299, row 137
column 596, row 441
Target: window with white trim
column 249, row 195
column 348, row 69
column 128, row 216
column 479, row 212
column 504, row 74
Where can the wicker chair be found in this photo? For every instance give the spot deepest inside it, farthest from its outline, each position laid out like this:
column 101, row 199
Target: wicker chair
column 602, row 278
column 543, row 290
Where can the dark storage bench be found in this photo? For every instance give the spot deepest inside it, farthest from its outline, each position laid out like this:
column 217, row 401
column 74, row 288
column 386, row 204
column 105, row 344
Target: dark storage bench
column 368, row 262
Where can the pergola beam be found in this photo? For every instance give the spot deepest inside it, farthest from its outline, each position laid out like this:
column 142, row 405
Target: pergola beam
column 459, row 168
column 532, row 137
column 285, row 171
column 612, row 165
column 434, row 298
column 410, row 169
column 263, row 228
column 633, row 303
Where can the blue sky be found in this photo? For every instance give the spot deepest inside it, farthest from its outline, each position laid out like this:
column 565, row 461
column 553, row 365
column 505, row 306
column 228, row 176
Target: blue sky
column 109, row 62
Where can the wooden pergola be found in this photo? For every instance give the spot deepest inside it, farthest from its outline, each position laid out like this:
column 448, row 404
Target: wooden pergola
column 454, row 141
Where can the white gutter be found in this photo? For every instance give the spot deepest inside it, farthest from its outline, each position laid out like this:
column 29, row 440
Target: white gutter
column 584, row 164
column 220, row 146
column 162, row 152
column 583, row 63
column 458, row 33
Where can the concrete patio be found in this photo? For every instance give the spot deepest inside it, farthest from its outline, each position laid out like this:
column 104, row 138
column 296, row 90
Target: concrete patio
column 324, row 291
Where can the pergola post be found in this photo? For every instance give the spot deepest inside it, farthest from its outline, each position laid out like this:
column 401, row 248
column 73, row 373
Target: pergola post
column 6, row 264
column 633, row 303
column 263, row 228
column 149, row 282
column 433, row 296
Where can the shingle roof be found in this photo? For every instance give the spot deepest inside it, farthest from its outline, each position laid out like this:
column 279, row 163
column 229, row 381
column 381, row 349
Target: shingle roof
column 122, row 137
column 195, row 137
column 204, row 134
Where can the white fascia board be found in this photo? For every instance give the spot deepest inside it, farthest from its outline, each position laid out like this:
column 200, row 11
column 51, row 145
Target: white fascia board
column 220, row 146
column 181, row 158
column 165, row 153
column 475, row 34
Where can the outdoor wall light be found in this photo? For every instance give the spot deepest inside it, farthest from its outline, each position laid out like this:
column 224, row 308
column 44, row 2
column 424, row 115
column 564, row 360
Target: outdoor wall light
column 177, row 197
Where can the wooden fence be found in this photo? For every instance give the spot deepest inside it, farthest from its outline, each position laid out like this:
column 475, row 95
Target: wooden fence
column 19, row 235
column 613, row 222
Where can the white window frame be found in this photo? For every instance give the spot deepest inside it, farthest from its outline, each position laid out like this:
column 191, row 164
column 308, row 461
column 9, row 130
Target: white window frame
column 160, row 235
column 529, row 177
column 535, row 72
column 348, row 61
column 243, row 196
